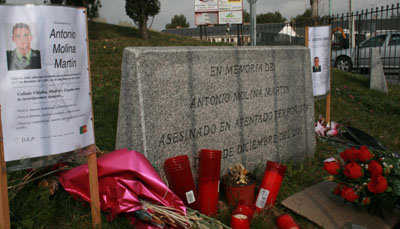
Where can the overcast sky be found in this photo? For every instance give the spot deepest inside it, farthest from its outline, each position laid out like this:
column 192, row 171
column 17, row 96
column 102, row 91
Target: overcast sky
column 114, row 10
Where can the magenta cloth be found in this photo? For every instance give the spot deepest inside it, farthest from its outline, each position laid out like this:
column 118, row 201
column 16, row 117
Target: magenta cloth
column 124, row 177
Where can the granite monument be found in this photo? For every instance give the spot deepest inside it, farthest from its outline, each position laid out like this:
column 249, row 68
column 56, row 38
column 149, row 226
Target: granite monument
column 252, row 103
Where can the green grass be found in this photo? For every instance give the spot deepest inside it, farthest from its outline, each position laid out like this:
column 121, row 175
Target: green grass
column 352, row 103
column 107, row 43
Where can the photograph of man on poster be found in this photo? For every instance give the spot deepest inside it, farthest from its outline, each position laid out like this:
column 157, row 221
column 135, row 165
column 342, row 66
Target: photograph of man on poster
column 316, row 67
column 23, row 56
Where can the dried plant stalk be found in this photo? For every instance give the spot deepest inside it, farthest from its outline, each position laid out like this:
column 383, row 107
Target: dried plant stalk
column 174, row 217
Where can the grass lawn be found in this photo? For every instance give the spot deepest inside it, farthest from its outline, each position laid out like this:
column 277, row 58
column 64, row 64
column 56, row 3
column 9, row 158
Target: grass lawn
column 352, row 104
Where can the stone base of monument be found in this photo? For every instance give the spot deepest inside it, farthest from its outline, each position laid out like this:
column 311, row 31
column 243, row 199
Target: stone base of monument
column 252, row 103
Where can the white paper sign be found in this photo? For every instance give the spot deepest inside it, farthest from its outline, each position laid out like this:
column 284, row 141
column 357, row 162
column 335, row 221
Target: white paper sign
column 44, row 81
column 229, row 5
column 230, row 17
column 205, row 5
column 319, row 42
column 206, row 18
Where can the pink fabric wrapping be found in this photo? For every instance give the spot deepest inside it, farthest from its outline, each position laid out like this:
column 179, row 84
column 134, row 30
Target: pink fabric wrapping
column 124, row 177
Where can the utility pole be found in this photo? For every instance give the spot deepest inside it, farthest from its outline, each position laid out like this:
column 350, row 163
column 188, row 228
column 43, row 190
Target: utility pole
column 253, row 22
column 351, row 25
column 314, row 7
column 329, row 8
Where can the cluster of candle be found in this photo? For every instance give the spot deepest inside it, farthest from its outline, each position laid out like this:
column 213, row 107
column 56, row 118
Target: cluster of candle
column 206, row 199
column 208, row 188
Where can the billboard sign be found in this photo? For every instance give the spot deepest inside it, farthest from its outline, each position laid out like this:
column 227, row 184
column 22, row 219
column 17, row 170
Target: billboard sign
column 210, row 18
column 229, row 5
column 205, row 5
column 230, row 17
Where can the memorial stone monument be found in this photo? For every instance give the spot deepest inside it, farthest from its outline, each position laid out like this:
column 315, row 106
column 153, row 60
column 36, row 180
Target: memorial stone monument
column 252, row 103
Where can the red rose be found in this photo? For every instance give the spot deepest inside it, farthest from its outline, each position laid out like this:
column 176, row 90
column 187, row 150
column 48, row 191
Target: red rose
column 332, row 167
column 374, row 168
column 364, row 154
column 349, row 194
column 349, row 154
column 377, row 184
column 339, row 188
column 353, row 170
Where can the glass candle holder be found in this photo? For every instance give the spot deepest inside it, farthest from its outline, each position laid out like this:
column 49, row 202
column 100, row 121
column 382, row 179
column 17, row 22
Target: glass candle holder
column 209, row 179
column 286, row 222
column 240, row 221
column 245, row 207
column 270, row 185
column 180, row 179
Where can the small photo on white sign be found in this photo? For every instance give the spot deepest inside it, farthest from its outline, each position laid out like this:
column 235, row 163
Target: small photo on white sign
column 23, row 51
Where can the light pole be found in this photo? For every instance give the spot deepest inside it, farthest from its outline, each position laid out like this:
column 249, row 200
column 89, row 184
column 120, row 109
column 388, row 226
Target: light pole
column 315, row 11
column 253, row 22
column 329, row 8
column 351, row 24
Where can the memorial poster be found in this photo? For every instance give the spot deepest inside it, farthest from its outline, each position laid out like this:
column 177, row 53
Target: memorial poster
column 319, row 42
column 44, row 81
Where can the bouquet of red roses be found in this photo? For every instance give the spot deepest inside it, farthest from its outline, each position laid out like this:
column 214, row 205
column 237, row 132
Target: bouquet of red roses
column 367, row 178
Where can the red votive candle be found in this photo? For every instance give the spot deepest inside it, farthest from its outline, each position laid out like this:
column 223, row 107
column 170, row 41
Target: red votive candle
column 240, row 221
column 286, row 222
column 270, row 185
column 246, row 208
column 180, row 179
column 209, row 174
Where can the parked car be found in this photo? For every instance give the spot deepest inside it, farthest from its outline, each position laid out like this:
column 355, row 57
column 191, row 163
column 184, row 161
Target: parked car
column 339, row 42
column 389, row 49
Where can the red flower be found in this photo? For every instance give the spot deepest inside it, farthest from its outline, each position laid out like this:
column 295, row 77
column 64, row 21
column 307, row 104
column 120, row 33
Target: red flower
column 339, row 188
column 349, row 194
column 374, row 168
column 377, row 184
column 364, row 154
column 353, row 170
column 349, row 154
column 332, row 167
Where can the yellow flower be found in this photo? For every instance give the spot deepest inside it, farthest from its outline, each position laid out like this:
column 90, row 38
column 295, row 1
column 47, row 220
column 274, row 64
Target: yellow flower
column 330, row 178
